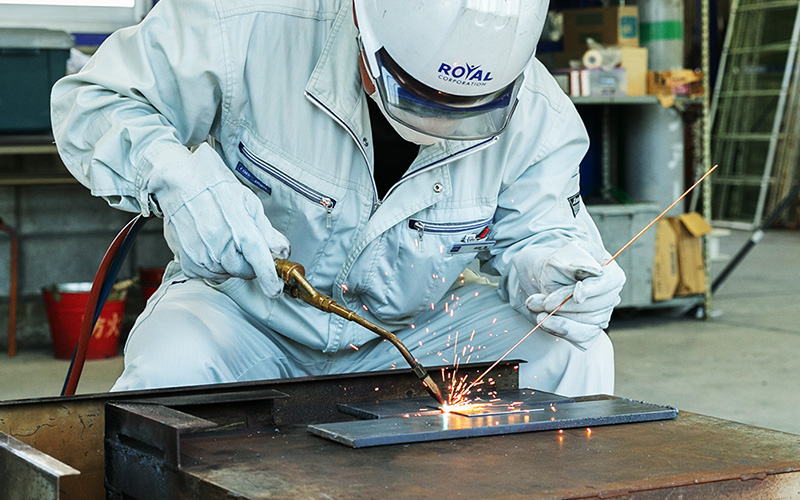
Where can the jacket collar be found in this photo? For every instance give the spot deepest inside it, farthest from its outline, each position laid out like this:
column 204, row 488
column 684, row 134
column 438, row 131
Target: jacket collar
column 335, row 82
column 338, row 87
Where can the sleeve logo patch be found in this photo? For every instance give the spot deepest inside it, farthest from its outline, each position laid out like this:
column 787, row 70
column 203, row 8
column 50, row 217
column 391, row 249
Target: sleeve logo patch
column 575, row 203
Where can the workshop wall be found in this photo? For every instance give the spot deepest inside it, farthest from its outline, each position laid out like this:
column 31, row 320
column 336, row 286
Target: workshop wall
column 63, row 234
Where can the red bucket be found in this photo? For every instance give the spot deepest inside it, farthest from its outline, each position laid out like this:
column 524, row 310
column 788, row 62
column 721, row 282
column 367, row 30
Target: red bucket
column 150, row 279
column 65, row 304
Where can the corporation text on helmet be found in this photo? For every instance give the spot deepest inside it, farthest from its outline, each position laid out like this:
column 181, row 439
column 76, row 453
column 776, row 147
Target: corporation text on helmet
column 464, row 75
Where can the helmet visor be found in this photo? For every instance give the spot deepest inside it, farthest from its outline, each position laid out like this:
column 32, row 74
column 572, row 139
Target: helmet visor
column 439, row 114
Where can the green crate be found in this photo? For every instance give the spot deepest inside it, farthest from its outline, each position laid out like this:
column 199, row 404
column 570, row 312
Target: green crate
column 31, row 60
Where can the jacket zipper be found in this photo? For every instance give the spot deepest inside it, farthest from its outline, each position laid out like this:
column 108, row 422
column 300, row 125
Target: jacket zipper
column 376, row 202
column 309, row 193
column 423, row 227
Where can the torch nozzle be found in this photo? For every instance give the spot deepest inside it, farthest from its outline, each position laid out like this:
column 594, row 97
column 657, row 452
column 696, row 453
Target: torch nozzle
column 433, row 389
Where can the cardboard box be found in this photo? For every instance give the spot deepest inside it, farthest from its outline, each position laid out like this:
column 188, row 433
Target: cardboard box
column 665, row 262
column 634, row 60
column 678, row 265
column 606, row 25
column 668, row 85
column 689, row 229
column 633, row 82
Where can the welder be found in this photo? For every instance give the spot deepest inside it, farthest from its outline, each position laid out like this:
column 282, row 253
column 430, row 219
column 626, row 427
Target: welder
column 414, row 157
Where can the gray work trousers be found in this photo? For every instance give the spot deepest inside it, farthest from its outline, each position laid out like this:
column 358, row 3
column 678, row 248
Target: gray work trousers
column 191, row 334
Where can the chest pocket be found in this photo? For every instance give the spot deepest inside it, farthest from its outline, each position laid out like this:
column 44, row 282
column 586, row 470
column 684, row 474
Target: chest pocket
column 299, row 204
column 473, row 235
column 422, row 257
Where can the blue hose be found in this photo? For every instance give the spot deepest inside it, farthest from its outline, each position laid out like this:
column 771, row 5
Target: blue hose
column 108, row 282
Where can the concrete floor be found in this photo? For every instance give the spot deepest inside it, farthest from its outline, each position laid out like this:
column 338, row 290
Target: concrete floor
column 742, row 365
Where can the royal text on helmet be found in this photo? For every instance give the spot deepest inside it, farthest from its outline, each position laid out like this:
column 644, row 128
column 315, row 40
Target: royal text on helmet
column 464, row 75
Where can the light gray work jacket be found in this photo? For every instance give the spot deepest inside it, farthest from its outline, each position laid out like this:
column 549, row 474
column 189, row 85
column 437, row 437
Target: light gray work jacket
column 275, row 85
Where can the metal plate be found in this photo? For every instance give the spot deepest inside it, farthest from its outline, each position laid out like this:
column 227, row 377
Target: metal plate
column 26, row 472
column 384, row 431
column 508, row 401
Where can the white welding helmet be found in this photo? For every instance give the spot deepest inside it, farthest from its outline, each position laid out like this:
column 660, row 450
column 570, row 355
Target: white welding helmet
column 449, row 69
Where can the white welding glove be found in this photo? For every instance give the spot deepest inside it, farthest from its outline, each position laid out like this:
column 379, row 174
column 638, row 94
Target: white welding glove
column 218, row 225
column 546, row 277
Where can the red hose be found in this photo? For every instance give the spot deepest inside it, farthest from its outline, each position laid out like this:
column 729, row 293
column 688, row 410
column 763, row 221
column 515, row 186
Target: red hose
column 88, row 316
column 12, row 296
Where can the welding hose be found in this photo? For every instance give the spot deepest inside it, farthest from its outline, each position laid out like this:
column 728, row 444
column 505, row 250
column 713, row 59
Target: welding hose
column 12, row 292
column 101, row 288
column 293, row 274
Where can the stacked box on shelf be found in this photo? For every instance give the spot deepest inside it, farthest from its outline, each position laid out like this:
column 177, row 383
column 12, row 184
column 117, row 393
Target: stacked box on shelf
column 614, row 27
column 617, row 25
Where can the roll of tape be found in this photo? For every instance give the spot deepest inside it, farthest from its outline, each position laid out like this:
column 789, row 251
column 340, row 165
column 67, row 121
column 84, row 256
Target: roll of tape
column 592, row 59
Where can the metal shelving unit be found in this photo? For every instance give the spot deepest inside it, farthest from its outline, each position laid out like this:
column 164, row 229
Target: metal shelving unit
column 29, row 145
column 609, row 102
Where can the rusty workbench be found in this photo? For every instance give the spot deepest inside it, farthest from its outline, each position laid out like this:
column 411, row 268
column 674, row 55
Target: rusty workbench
column 258, row 447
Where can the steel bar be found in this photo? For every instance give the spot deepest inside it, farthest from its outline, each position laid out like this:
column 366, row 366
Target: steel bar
column 27, row 473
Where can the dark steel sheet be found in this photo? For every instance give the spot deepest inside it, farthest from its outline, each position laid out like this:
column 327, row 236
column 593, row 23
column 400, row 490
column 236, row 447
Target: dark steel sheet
column 378, row 432
column 504, row 401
